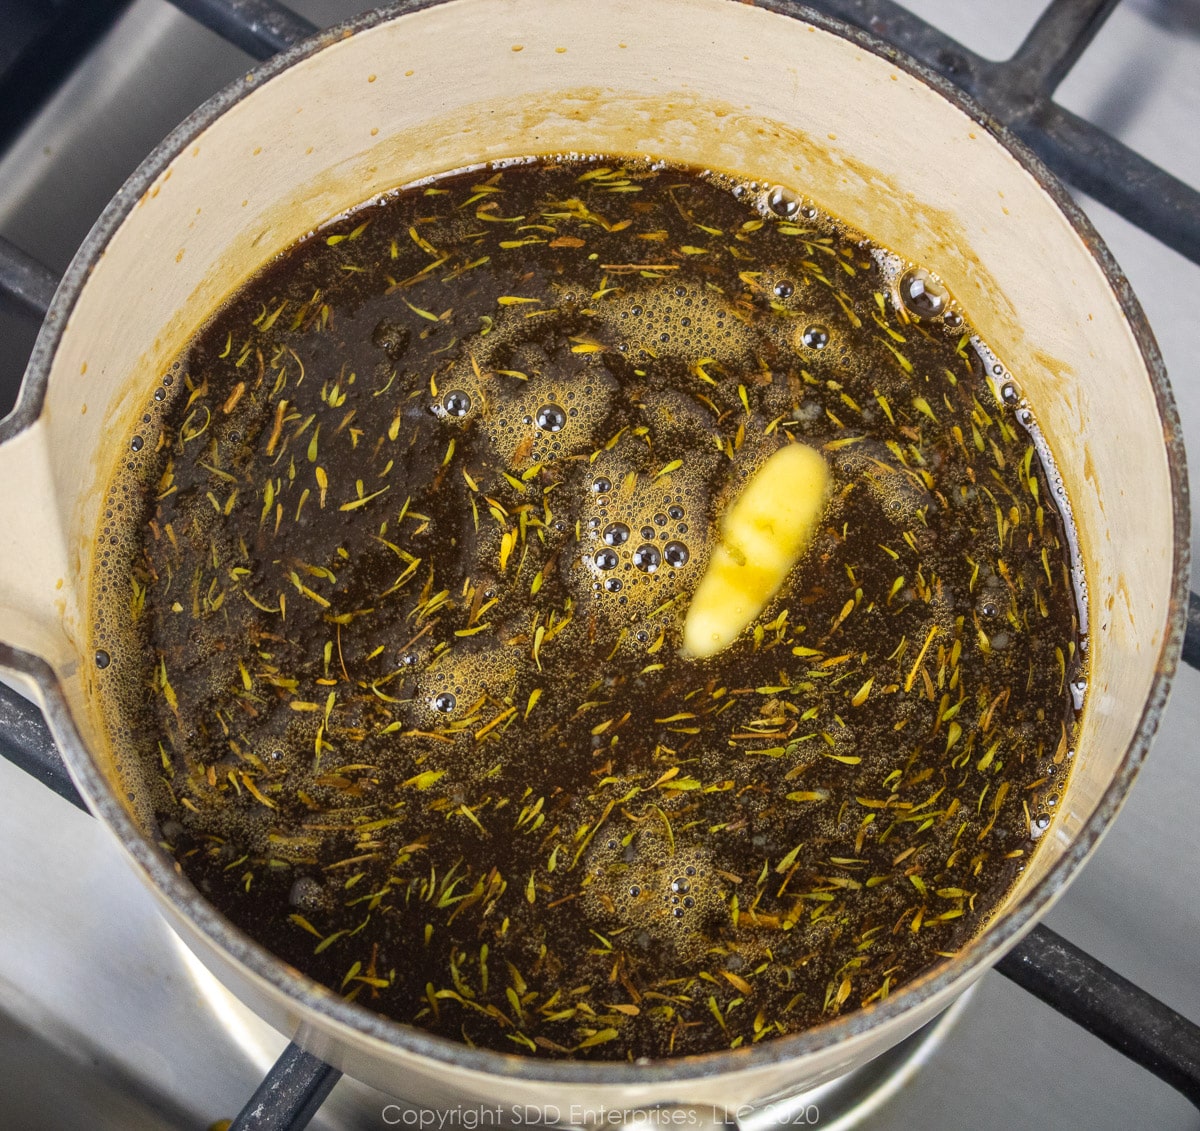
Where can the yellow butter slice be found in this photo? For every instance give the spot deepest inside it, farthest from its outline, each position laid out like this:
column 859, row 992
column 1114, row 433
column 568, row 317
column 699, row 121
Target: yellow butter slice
column 762, row 536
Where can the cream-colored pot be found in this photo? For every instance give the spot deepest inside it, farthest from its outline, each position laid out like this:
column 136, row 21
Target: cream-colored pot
column 766, row 89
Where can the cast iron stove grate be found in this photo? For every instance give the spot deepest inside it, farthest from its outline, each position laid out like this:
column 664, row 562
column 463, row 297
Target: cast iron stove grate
column 1017, row 93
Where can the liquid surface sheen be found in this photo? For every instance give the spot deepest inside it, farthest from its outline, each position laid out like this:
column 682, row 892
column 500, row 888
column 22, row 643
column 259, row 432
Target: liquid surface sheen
column 389, row 614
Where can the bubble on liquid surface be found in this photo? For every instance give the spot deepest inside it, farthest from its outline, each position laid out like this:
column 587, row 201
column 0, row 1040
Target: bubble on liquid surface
column 600, row 485
column 616, row 534
column 551, row 418
column 456, row 403
column 103, row 659
column 814, row 337
column 647, row 558
column 782, row 202
column 644, row 888
column 922, row 293
column 675, row 554
column 137, row 443
column 445, row 702
column 606, row 559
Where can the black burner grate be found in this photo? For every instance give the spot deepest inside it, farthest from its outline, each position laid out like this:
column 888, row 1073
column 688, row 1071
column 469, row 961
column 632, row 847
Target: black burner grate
column 1018, row 94
column 42, row 41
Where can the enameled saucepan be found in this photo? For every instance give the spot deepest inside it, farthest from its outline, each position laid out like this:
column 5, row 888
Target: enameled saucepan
column 763, row 88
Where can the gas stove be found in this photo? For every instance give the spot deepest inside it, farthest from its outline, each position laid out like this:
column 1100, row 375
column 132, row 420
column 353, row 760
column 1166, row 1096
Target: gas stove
column 107, row 1022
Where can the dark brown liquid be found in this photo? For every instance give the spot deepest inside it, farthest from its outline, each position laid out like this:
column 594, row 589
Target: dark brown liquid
column 403, row 699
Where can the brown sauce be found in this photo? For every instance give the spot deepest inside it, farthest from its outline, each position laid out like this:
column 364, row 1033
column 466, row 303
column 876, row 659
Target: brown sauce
column 390, row 606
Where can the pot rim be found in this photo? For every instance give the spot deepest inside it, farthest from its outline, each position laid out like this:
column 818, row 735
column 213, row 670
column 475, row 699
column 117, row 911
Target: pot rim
column 982, row 951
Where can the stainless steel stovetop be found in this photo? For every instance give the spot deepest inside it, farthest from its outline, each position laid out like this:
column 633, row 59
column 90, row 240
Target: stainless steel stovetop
column 105, row 1020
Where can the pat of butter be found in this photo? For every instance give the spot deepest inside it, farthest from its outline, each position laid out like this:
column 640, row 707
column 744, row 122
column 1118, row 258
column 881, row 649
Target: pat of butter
column 762, row 535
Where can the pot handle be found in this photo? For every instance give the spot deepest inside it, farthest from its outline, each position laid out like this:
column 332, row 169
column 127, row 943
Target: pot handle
column 33, row 558
column 33, row 603
column 35, row 596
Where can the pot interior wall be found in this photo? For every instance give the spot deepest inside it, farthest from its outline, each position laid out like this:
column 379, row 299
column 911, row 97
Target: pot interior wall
column 705, row 82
